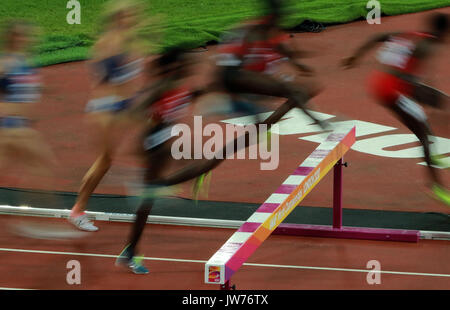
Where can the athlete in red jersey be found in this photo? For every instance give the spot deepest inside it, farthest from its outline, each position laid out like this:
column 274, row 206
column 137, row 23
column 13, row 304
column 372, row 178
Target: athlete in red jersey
column 247, row 59
column 165, row 103
column 258, row 46
column 395, row 84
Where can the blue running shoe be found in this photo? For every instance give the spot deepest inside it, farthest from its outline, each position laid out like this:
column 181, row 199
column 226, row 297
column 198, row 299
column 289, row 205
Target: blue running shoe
column 132, row 263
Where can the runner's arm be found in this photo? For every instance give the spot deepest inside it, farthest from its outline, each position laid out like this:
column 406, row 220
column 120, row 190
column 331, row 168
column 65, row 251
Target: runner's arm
column 285, row 49
column 292, row 54
column 361, row 51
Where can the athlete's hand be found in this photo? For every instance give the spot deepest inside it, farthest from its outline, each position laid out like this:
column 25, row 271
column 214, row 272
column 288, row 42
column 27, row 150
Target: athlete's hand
column 349, row 62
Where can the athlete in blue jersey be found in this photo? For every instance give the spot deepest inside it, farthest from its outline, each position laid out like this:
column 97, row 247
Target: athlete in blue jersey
column 118, row 59
column 20, row 92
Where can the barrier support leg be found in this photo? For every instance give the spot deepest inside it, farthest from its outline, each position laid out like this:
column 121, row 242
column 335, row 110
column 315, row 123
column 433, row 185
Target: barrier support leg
column 227, row 286
column 336, row 230
column 337, row 195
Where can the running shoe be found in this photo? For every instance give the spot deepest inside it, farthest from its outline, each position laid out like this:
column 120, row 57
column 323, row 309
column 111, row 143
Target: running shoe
column 267, row 138
column 438, row 161
column 82, row 223
column 132, row 263
column 201, row 185
column 441, row 194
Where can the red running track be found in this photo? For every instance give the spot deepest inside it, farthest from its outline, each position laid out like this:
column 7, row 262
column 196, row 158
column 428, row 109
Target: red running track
column 177, row 256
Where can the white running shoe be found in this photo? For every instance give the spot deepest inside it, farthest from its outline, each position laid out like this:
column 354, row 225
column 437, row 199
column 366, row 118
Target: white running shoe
column 82, row 223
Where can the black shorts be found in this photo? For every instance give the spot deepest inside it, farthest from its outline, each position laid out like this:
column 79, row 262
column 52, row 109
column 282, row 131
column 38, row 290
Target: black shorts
column 228, row 76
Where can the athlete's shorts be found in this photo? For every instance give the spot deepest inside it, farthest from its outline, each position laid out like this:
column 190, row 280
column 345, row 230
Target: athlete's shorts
column 112, row 104
column 14, row 122
column 228, row 76
column 387, row 87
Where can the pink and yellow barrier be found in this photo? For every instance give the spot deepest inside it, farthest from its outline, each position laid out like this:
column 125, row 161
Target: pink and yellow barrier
column 230, row 257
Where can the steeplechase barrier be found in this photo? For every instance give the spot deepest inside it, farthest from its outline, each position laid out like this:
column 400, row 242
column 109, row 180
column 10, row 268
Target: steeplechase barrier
column 268, row 218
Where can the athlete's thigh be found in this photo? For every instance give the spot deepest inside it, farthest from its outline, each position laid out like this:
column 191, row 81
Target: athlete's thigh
column 157, row 149
column 412, row 115
column 108, row 133
column 6, row 152
column 244, row 81
column 158, row 161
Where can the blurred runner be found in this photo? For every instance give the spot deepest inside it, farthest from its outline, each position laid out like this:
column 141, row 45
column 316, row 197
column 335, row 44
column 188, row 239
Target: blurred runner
column 396, row 83
column 118, row 59
column 20, row 92
column 250, row 61
column 166, row 103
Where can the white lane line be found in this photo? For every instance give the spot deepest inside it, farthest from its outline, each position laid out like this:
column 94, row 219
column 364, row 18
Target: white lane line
column 99, row 255
column 350, row 270
column 15, row 289
column 245, row 264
